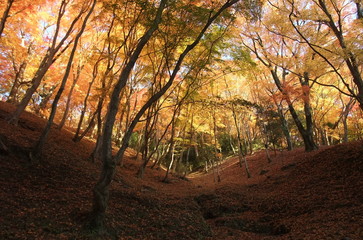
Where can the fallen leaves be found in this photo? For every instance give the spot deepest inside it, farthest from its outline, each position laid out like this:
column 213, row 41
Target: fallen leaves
column 300, row 195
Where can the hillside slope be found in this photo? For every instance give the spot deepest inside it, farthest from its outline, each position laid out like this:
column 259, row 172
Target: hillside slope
column 317, row 195
column 299, row 195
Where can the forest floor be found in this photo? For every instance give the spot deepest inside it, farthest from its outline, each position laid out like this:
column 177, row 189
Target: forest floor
column 316, row 195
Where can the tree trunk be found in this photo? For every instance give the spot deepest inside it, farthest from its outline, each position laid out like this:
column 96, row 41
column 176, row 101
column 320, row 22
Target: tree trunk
column 219, row 169
column 66, row 110
column 284, row 127
column 161, row 156
column 152, row 117
column 241, row 155
column 267, row 154
column 171, row 149
column 96, row 153
column 248, row 140
column 101, row 192
column 30, row 91
column 306, row 134
column 5, row 15
column 359, row 10
column 145, row 152
column 172, row 156
column 19, row 76
column 84, row 109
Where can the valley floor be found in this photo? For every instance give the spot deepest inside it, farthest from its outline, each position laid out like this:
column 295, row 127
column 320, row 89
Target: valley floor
column 316, row 195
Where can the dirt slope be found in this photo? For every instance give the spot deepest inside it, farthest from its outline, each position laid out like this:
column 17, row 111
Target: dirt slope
column 299, row 195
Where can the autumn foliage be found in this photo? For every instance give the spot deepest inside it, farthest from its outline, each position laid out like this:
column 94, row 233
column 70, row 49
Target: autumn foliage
column 181, row 87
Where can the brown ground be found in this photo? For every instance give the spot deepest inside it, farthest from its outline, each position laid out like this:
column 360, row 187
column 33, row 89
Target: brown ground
column 299, row 195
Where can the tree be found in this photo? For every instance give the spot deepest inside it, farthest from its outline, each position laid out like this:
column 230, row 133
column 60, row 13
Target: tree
column 53, row 53
column 241, row 155
column 37, row 150
column 272, row 49
column 101, row 189
column 332, row 21
column 76, row 76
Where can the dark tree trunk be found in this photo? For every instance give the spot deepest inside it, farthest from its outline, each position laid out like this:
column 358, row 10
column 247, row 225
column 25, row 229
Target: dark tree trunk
column 91, row 124
column 30, row 91
column 241, row 155
column 101, row 192
column 145, row 153
column 284, row 127
column 46, row 95
column 345, row 114
column 149, row 129
column 359, row 10
column 96, row 153
column 306, row 134
column 85, row 102
column 19, row 76
column 66, row 110
column 5, row 16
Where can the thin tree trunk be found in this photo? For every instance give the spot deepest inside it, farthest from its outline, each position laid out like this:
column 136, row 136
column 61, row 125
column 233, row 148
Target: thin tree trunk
column 219, row 169
column 267, row 154
column 359, row 10
column 96, row 151
column 249, row 140
column 241, row 155
column 161, row 156
column 171, row 149
column 284, row 127
column 172, row 156
column 231, row 144
column 145, row 148
column 46, row 95
column 345, row 114
column 84, row 109
column 66, row 110
column 212, row 163
column 104, row 88
column 19, row 76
